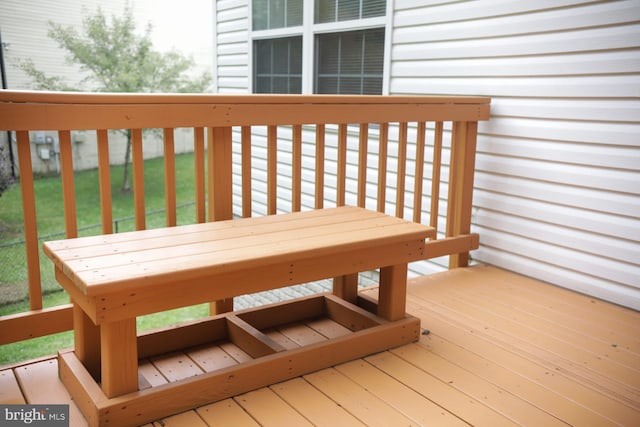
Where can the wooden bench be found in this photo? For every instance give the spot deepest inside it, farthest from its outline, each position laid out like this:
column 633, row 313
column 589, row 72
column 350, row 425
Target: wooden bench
column 112, row 279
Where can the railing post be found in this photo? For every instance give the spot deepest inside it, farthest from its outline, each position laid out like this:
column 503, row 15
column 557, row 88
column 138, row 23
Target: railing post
column 463, row 155
column 30, row 223
column 220, row 189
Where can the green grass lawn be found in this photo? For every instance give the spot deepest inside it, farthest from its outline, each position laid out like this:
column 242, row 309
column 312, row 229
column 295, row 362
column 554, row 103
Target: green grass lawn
column 50, row 217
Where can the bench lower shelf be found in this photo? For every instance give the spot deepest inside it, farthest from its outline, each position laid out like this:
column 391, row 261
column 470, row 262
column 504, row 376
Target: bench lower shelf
column 348, row 331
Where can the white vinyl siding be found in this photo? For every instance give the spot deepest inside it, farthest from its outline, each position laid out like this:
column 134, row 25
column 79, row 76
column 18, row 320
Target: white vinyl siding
column 557, row 192
column 231, row 46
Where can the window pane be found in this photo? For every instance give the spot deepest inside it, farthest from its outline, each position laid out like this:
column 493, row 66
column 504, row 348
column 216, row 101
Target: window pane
column 327, row 53
column 351, row 45
column 294, row 13
column 278, row 65
column 348, row 9
column 325, row 11
column 276, row 14
column 372, row 86
column 268, row 14
column 260, row 15
column 344, row 10
column 373, row 8
column 350, row 62
column 373, row 51
column 327, row 85
column 262, row 58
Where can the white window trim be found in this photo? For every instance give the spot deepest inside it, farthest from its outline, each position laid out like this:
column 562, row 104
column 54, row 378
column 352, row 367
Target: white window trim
column 308, row 30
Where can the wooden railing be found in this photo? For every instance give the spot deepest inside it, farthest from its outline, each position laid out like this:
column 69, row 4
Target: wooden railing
column 440, row 132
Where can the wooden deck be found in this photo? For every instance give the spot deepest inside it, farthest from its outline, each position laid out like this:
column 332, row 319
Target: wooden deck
column 498, row 349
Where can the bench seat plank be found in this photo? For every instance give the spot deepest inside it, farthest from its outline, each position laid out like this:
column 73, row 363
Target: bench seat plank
column 225, row 247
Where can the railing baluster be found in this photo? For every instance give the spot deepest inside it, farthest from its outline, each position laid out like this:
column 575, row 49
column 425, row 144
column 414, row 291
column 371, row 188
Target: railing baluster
column 382, row 166
column 419, row 173
column 68, row 190
column 137, row 161
column 402, row 169
column 454, row 163
column 220, row 174
column 246, row 171
column 435, row 176
column 296, row 185
column 170, row 177
column 342, row 164
column 104, row 171
column 30, row 223
column 272, row 169
column 362, row 164
column 319, row 178
column 199, row 179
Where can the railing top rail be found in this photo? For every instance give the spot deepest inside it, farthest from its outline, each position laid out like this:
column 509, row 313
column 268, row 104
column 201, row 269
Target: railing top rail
column 21, row 111
column 18, row 96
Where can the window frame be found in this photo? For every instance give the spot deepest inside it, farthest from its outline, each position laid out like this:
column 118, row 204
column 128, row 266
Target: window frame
column 308, row 30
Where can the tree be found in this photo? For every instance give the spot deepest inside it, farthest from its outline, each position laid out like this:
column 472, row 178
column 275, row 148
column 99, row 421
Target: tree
column 116, row 58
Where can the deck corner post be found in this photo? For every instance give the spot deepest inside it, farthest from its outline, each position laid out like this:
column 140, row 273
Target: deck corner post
column 460, row 197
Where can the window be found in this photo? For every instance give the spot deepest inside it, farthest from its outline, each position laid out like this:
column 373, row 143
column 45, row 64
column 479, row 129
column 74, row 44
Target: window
column 278, row 65
column 343, row 39
column 350, row 62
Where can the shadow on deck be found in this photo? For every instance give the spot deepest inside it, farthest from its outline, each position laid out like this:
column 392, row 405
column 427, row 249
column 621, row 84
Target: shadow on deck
column 497, row 349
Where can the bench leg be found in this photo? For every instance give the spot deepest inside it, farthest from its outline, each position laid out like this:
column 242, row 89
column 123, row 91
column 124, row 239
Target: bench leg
column 346, row 287
column 221, row 306
column 87, row 341
column 392, row 294
column 119, row 345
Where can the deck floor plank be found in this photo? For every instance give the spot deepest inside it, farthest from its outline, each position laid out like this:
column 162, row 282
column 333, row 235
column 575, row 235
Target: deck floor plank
column 502, row 349
column 538, row 370
column 498, row 399
column 176, row 366
column 10, row 393
column 226, row 413
column 40, row 384
column 236, row 352
column 583, row 306
column 531, row 328
column 269, row 409
column 151, row 374
column 364, row 405
column 301, row 334
column 184, row 419
column 211, row 358
column 405, row 400
column 585, row 366
column 530, row 387
column 615, row 339
column 315, row 406
column 445, row 395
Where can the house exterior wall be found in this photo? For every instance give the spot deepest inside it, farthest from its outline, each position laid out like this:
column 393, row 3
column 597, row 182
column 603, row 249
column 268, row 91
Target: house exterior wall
column 557, row 185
